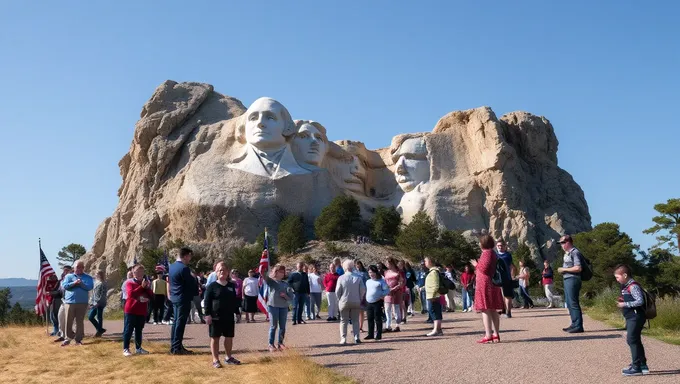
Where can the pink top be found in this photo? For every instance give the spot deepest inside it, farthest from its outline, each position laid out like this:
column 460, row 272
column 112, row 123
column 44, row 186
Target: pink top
column 239, row 286
column 393, row 280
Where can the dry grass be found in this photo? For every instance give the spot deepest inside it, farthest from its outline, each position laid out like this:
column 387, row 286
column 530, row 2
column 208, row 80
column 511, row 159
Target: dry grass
column 27, row 355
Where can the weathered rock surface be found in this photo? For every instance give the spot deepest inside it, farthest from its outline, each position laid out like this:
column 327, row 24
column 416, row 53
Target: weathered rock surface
column 499, row 175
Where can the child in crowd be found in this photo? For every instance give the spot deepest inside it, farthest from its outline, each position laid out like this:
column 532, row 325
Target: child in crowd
column 632, row 304
column 139, row 295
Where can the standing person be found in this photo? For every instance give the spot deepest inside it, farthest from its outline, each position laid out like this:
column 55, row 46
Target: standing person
column 57, row 313
column 392, row 301
column 123, row 291
column 451, row 276
column 61, row 315
column 183, row 288
column 508, row 287
column 488, row 298
column 315, row 289
column 571, row 271
column 411, row 280
column 98, row 303
column 432, row 295
column 547, row 282
column 280, row 294
column 467, row 280
column 51, row 287
column 351, row 291
column 376, row 290
column 250, row 291
column 159, row 287
column 401, row 265
column 76, row 286
column 169, row 310
column 420, row 287
column 299, row 281
column 338, row 266
column 221, row 305
column 330, row 281
column 139, row 295
column 238, row 283
column 524, row 285
column 196, row 307
column 362, row 273
column 632, row 304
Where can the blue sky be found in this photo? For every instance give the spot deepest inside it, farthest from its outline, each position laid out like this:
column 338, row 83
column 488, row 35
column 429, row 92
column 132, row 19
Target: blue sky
column 75, row 76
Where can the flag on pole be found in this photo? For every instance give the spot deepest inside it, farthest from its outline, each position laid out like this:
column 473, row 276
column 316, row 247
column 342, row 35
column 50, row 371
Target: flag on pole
column 43, row 297
column 263, row 291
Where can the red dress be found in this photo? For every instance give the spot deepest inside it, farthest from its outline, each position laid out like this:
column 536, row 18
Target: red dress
column 487, row 295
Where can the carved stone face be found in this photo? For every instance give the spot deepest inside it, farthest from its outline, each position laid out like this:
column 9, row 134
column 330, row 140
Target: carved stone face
column 265, row 124
column 309, row 145
column 354, row 176
column 412, row 166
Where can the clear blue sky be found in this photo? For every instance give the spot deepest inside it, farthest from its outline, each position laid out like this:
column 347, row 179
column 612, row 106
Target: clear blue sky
column 74, row 79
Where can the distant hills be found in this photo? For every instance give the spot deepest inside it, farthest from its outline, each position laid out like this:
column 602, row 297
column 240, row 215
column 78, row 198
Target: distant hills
column 23, row 291
column 18, row 282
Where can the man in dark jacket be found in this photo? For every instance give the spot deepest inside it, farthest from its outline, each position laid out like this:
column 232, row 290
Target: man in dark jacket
column 183, row 288
column 299, row 281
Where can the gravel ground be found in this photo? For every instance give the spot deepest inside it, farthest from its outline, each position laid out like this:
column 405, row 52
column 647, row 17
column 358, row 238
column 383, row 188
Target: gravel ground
column 533, row 349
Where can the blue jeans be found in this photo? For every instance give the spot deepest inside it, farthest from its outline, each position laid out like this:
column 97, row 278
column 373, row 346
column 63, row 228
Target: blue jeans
column 314, row 300
column 423, row 299
column 299, row 300
column 634, row 325
column 572, row 292
column 526, row 299
column 54, row 314
column 277, row 317
column 467, row 299
column 181, row 311
column 96, row 317
column 133, row 323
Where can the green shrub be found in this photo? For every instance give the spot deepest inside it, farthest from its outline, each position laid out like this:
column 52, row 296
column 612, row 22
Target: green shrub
column 668, row 314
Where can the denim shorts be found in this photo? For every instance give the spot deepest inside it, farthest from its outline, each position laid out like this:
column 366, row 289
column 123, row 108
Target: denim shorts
column 435, row 308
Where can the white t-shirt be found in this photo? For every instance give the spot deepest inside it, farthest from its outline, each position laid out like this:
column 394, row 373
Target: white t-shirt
column 250, row 287
column 314, row 285
column 523, row 282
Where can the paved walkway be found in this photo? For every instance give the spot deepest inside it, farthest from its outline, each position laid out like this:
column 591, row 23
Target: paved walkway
column 533, row 349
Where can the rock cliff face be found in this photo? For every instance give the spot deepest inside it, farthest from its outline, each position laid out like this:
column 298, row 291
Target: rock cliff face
column 204, row 169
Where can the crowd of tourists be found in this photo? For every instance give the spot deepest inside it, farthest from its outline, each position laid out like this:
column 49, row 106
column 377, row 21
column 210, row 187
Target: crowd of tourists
column 382, row 296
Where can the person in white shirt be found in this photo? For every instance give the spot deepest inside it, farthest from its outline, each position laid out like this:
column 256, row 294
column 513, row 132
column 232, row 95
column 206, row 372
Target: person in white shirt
column 250, row 293
column 315, row 289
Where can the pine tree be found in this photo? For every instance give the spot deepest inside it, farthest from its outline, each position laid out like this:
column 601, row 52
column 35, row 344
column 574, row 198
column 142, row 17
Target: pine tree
column 385, row 224
column 291, row 235
column 419, row 237
column 70, row 254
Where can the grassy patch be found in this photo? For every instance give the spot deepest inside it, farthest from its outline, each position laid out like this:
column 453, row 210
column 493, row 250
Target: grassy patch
column 665, row 327
column 23, row 351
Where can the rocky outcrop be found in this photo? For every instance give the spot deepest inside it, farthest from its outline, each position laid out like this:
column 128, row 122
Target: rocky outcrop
column 472, row 172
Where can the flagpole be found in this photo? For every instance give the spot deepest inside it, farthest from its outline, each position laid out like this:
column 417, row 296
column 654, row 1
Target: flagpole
column 47, row 326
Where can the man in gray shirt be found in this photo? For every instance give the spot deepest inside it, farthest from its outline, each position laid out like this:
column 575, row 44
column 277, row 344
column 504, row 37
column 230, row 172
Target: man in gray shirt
column 571, row 271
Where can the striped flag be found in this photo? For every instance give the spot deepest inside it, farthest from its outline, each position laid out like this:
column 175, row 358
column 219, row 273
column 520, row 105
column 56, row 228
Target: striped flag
column 262, row 269
column 42, row 297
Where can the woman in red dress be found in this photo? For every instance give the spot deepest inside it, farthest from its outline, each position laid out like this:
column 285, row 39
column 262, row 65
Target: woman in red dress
column 488, row 298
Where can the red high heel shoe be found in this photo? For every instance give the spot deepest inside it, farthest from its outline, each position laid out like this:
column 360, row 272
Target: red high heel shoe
column 485, row 340
column 496, row 338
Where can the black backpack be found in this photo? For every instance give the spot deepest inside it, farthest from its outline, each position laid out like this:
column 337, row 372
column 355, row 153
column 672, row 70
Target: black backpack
column 500, row 274
column 650, row 303
column 586, row 268
column 450, row 285
column 443, row 288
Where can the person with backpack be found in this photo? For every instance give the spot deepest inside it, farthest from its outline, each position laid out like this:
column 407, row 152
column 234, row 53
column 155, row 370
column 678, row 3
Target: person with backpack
column 488, row 298
column 632, row 304
column 571, row 271
column 433, row 290
column 508, row 277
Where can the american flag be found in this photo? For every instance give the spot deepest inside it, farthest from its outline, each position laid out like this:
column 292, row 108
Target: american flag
column 42, row 298
column 262, row 269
